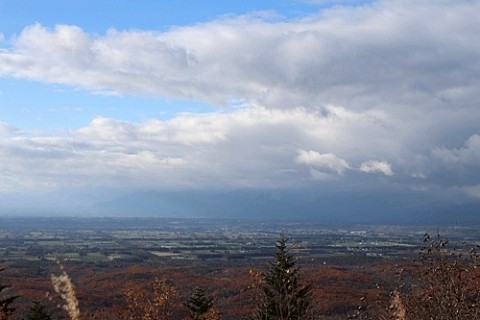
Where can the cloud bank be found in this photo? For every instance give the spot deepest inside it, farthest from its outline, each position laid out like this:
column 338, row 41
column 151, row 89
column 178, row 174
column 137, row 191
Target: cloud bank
column 387, row 90
column 387, row 54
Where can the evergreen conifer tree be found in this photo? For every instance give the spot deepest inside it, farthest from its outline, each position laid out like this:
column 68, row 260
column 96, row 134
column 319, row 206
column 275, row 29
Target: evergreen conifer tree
column 283, row 298
column 198, row 304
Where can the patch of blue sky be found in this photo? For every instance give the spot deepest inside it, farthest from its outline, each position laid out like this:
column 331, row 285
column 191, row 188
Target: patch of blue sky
column 33, row 105
column 97, row 16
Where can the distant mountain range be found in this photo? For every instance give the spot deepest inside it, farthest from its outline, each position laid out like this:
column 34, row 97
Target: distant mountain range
column 329, row 206
column 295, row 205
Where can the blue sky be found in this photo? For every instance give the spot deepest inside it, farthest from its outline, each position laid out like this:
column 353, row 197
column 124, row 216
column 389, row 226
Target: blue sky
column 373, row 98
column 98, row 16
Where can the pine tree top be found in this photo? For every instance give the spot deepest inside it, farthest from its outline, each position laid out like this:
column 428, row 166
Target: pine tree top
column 198, row 303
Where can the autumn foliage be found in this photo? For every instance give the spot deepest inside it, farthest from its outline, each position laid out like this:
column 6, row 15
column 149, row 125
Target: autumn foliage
column 442, row 284
column 157, row 302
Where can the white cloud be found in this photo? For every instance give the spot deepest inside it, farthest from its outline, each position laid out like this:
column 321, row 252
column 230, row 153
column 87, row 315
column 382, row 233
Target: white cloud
column 388, row 54
column 373, row 166
column 327, row 161
column 244, row 147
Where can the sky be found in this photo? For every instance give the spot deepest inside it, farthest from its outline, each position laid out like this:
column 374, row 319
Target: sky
column 372, row 100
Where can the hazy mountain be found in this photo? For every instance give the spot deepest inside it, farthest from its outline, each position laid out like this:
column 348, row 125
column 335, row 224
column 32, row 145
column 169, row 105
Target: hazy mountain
column 294, row 205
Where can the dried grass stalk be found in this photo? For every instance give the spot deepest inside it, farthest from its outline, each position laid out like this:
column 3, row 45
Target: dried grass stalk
column 397, row 308
column 64, row 287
